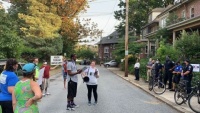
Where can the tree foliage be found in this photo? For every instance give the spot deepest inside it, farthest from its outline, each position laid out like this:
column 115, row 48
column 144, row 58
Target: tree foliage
column 10, row 42
column 167, row 50
column 188, row 44
column 85, row 53
column 138, row 13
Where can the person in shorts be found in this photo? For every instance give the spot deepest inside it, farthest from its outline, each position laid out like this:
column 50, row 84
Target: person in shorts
column 72, row 80
column 177, row 75
column 64, row 71
column 46, row 75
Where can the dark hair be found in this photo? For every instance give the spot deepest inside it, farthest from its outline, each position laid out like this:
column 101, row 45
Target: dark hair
column 187, row 60
column 72, row 55
column 29, row 75
column 10, row 63
column 33, row 59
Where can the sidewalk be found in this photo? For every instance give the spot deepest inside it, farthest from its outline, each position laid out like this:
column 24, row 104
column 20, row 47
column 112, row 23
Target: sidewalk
column 167, row 97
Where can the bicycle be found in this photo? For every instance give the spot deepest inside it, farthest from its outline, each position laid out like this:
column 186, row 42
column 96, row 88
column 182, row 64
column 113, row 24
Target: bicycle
column 194, row 99
column 180, row 95
column 156, row 85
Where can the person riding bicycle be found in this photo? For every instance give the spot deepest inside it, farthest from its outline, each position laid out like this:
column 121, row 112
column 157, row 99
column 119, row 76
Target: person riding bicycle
column 187, row 74
column 177, row 75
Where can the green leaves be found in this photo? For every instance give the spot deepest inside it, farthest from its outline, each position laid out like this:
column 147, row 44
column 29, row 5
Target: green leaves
column 188, row 44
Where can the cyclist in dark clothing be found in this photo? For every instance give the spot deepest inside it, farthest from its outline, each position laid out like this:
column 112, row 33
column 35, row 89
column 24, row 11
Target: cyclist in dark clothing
column 169, row 66
column 187, row 74
column 158, row 68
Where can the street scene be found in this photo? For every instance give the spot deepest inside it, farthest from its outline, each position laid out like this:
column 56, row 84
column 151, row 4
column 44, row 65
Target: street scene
column 102, row 56
column 115, row 96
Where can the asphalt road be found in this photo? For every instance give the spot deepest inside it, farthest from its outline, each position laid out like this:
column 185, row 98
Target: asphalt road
column 115, row 96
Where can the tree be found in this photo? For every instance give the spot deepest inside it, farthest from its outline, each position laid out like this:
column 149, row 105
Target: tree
column 167, row 50
column 188, row 44
column 134, row 48
column 10, row 43
column 85, row 53
column 138, row 13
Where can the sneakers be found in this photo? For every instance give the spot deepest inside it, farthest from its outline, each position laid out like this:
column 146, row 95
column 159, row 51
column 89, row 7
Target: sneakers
column 43, row 94
column 70, row 107
column 47, row 93
column 74, row 105
column 95, row 103
column 89, row 103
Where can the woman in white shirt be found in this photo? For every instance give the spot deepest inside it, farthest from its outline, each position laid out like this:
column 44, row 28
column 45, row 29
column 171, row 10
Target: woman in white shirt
column 137, row 67
column 93, row 73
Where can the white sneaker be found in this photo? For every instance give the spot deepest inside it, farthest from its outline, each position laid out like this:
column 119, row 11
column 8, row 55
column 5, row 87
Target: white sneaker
column 43, row 94
column 47, row 93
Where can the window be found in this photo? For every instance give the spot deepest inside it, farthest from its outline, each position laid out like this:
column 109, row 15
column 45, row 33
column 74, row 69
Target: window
column 146, row 49
column 191, row 12
column 183, row 14
column 163, row 22
column 106, row 50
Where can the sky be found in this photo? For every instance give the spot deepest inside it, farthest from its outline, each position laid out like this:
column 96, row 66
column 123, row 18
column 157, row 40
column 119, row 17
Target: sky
column 102, row 13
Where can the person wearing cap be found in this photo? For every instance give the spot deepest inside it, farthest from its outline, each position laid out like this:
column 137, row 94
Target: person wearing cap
column 8, row 80
column 27, row 92
column 158, row 69
column 72, row 80
column 187, row 74
column 93, row 73
column 46, row 75
column 177, row 75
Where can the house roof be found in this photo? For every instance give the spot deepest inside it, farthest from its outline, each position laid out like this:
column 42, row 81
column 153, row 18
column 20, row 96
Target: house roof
column 110, row 39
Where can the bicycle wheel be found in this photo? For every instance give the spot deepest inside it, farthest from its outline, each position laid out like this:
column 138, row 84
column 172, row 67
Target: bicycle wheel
column 150, row 83
column 159, row 88
column 194, row 102
column 178, row 97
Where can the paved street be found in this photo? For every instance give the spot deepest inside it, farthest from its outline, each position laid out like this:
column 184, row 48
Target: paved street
column 115, row 96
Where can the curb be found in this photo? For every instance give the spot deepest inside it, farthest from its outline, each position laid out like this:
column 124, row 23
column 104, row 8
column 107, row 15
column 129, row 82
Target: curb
column 169, row 103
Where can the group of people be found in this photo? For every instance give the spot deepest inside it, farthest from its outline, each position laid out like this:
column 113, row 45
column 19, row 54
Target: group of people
column 70, row 72
column 169, row 72
column 173, row 72
column 19, row 96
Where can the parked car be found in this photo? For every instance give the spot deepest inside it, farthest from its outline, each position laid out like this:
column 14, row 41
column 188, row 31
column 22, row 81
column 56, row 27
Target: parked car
column 18, row 72
column 111, row 63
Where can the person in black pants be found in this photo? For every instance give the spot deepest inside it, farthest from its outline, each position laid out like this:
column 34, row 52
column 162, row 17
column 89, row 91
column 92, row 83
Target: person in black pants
column 169, row 66
column 187, row 74
column 93, row 73
column 137, row 69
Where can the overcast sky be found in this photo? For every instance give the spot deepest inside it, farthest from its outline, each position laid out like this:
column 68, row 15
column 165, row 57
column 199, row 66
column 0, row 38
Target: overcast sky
column 102, row 13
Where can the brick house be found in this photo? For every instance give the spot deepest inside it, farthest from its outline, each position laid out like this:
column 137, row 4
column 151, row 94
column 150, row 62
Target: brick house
column 186, row 16
column 106, row 45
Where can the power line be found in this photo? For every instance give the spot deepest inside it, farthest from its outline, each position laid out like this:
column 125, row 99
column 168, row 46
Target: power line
column 102, row 1
column 111, row 15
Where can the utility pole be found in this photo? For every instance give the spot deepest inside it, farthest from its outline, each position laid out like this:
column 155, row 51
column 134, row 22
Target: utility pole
column 126, row 40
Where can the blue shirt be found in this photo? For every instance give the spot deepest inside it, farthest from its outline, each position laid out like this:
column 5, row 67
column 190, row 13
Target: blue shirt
column 7, row 79
column 178, row 68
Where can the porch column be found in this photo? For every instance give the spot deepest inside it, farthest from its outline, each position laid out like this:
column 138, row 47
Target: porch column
column 174, row 38
column 148, row 48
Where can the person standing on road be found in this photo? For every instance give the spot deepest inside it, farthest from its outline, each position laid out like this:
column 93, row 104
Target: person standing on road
column 46, row 75
column 72, row 79
column 64, row 71
column 149, row 64
column 8, row 80
column 169, row 66
column 35, row 60
column 27, row 92
column 137, row 69
column 93, row 73
column 187, row 74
